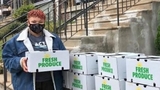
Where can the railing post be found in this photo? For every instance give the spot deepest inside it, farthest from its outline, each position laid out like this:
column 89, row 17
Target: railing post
column 54, row 17
column 5, row 77
column 65, row 19
column 122, row 6
column 59, row 15
column 4, row 70
column 48, row 20
column 71, row 28
column 134, row 2
column 86, row 18
column 126, row 5
column 117, row 12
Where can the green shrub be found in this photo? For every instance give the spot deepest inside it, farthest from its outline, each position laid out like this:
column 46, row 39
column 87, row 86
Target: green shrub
column 22, row 12
column 157, row 40
column 49, row 26
column 11, row 27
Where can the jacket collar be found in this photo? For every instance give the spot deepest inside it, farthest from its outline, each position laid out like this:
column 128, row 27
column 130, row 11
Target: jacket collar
column 24, row 34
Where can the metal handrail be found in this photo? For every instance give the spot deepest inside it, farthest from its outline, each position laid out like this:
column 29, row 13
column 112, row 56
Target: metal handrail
column 18, row 18
column 124, row 8
column 5, row 39
column 64, row 19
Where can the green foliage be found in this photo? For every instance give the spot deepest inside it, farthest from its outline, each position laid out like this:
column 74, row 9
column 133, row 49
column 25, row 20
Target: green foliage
column 1, row 51
column 22, row 12
column 26, row 2
column 158, row 17
column 157, row 40
column 14, row 26
column 49, row 26
column 11, row 27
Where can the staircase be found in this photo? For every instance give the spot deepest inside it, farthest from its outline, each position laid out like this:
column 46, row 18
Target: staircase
column 105, row 24
column 136, row 30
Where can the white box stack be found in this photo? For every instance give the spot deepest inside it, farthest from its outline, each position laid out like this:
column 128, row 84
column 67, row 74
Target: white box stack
column 134, row 86
column 84, row 67
column 113, row 67
column 106, row 83
column 144, row 71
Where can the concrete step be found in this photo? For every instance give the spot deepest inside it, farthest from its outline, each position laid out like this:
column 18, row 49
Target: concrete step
column 114, row 5
column 140, row 6
column 79, row 26
column 72, row 48
column 72, row 42
column 91, row 14
column 91, row 31
column 76, row 7
column 122, row 7
column 75, row 27
column 6, row 20
column 132, row 12
column 104, row 24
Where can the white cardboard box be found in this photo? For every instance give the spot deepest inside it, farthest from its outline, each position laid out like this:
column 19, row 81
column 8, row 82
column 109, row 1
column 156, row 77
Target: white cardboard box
column 114, row 65
column 82, row 82
column 67, row 78
column 106, row 83
column 144, row 70
column 133, row 86
column 40, row 61
column 85, row 63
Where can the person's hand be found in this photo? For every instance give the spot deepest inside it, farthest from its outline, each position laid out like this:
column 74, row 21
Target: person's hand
column 24, row 63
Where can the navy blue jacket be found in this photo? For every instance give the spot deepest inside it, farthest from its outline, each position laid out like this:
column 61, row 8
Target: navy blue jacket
column 15, row 49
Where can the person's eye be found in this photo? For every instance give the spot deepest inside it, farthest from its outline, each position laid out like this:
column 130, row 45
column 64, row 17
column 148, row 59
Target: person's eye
column 41, row 22
column 33, row 22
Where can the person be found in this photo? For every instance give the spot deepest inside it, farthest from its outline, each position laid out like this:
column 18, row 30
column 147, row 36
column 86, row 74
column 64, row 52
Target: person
column 32, row 38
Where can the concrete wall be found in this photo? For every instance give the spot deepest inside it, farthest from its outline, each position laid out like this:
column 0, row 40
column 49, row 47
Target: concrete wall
column 139, row 37
column 93, row 43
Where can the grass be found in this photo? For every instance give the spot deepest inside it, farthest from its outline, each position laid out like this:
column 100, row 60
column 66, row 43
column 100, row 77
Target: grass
column 1, row 43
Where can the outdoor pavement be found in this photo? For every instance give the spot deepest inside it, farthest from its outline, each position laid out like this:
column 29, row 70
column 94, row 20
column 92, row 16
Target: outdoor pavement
column 9, row 84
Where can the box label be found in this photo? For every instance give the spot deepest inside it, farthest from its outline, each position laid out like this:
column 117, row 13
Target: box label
column 138, row 88
column 49, row 61
column 77, row 83
column 142, row 72
column 105, row 86
column 106, row 67
column 77, row 64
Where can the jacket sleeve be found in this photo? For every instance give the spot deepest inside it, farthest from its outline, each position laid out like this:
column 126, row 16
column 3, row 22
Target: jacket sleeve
column 10, row 59
column 60, row 43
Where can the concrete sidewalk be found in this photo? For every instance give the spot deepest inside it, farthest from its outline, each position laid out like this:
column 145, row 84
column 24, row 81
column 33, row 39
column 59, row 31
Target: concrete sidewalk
column 9, row 84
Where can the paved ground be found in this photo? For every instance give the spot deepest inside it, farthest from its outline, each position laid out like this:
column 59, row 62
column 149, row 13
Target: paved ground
column 9, row 85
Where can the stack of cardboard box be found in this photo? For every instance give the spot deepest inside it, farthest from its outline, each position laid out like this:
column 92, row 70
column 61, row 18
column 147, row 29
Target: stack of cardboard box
column 84, row 67
column 112, row 71
column 143, row 73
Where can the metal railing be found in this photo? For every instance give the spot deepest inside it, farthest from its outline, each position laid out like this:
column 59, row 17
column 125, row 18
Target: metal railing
column 9, row 35
column 77, row 18
column 67, row 20
column 123, row 5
